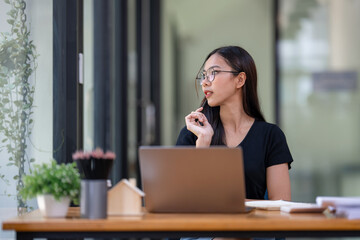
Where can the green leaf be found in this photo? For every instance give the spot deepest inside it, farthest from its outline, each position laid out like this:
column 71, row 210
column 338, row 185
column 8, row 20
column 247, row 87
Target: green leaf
column 12, row 12
column 18, row 103
column 11, row 21
column 26, row 106
column 4, row 140
column 7, row 1
column 16, row 177
column 32, row 160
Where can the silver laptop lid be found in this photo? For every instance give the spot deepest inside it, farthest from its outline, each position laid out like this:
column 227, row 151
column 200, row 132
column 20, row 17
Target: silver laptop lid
column 192, row 180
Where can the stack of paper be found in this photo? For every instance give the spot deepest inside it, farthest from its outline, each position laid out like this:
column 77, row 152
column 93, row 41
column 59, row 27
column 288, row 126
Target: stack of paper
column 348, row 207
column 286, row 206
column 348, row 212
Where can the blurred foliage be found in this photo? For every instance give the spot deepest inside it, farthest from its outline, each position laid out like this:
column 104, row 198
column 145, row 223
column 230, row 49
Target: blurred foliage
column 17, row 64
column 301, row 10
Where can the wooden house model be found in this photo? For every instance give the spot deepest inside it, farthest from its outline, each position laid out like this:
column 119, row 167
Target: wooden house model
column 125, row 199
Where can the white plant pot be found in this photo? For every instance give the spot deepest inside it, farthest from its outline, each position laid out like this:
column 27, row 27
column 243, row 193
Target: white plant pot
column 52, row 208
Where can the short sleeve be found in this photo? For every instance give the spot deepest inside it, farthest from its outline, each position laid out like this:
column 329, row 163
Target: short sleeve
column 278, row 150
column 186, row 137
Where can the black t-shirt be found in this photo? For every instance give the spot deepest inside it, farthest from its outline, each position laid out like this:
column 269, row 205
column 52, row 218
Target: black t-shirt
column 263, row 146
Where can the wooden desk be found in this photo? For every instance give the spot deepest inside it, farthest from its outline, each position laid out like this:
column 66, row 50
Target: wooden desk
column 254, row 224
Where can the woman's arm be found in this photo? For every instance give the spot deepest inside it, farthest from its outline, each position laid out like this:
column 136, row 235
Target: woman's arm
column 278, row 182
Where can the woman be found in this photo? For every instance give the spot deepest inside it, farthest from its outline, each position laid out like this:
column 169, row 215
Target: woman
column 230, row 115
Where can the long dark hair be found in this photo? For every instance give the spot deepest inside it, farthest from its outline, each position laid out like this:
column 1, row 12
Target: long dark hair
column 241, row 61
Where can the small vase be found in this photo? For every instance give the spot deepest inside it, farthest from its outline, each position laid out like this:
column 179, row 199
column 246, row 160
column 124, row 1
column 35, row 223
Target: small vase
column 52, row 208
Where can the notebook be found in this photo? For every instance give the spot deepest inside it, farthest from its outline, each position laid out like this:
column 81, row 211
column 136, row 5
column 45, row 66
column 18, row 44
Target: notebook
column 192, row 180
column 285, row 206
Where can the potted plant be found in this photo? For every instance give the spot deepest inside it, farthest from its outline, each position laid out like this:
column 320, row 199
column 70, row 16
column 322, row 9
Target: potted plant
column 54, row 186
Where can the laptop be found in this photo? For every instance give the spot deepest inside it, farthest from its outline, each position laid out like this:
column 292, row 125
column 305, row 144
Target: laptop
column 192, row 180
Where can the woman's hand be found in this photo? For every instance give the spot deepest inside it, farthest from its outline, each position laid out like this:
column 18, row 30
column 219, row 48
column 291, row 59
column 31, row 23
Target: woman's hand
column 197, row 123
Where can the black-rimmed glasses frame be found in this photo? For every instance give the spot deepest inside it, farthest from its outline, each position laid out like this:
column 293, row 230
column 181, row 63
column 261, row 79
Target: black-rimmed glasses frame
column 211, row 78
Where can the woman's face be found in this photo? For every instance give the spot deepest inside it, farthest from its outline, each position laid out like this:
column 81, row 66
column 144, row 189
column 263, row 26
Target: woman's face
column 224, row 88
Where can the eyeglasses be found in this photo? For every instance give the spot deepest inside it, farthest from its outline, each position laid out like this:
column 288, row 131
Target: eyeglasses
column 210, row 75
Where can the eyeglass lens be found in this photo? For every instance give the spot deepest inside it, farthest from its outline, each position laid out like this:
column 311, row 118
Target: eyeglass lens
column 209, row 75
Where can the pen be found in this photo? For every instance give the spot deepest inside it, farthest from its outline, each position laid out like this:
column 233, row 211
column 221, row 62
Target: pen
column 202, row 105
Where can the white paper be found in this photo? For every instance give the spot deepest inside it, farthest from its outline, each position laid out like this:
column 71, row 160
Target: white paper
column 274, row 204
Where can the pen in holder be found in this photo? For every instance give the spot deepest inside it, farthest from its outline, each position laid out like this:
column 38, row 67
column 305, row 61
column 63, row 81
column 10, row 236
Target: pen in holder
column 94, row 168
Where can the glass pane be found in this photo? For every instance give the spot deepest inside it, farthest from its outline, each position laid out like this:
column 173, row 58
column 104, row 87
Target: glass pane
column 192, row 29
column 25, row 101
column 89, row 69
column 88, row 75
column 320, row 63
column 132, row 87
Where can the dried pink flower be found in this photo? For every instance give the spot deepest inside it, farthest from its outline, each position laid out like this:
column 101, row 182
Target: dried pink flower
column 109, row 155
column 78, row 155
column 98, row 153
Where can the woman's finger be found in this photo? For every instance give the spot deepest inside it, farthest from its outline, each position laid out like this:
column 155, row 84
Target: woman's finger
column 195, row 115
